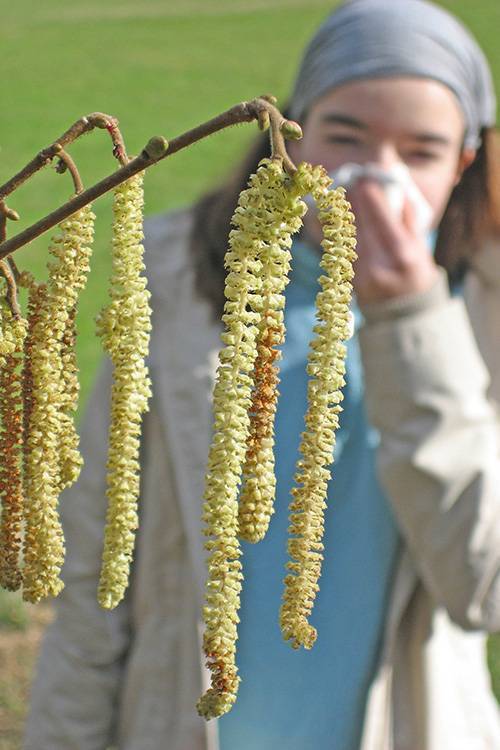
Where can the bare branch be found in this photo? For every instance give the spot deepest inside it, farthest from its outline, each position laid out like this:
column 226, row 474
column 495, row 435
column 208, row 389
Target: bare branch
column 155, row 150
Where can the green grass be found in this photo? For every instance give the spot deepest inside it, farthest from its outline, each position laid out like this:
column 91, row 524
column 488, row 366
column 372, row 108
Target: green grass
column 13, row 614
column 161, row 67
column 160, row 70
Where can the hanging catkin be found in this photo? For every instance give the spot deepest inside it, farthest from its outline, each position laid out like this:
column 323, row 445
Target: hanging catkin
column 257, row 252
column 12, row 334
column 68, row 277
column 284, row 213
column 52, row 460
column 124, row 327
column 326, row 369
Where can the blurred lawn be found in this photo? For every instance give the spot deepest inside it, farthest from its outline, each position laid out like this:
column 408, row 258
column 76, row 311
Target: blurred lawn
column 161, row 67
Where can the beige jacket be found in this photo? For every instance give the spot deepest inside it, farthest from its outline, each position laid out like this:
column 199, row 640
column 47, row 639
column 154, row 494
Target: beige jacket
column 132, row 676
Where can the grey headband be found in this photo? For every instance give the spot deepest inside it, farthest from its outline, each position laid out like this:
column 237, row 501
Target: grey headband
column 383, row 38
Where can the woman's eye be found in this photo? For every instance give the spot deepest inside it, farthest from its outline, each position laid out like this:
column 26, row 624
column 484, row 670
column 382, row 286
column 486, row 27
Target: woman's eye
column 348, row 140
column 421, row 156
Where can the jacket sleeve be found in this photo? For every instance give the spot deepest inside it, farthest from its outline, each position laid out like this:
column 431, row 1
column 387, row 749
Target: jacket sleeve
column 76, row 686
column 438, row 458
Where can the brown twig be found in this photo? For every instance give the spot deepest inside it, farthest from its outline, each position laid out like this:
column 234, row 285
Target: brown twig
column 45, row 156
column 155, row 150
column 66, row 163
column 11, row 296
column 16, row 272
column 6, row 213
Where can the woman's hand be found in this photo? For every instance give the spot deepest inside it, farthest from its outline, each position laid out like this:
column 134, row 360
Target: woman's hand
column 393, row 259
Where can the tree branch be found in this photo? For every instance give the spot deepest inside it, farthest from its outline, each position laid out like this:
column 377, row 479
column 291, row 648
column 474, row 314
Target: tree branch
column 155, row 150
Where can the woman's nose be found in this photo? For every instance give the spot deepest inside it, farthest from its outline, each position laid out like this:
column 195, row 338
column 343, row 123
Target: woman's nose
column 384, row 155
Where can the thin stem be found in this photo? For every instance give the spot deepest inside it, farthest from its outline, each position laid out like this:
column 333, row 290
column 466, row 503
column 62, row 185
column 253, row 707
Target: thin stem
column 278, row 149
column 6, row 213
column 119, row 150
column 6, row 272
column 66, row 162
column 15, row 270
column 155, row 150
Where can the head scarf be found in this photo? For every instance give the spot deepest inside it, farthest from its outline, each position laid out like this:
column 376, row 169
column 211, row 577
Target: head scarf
column 385, row 38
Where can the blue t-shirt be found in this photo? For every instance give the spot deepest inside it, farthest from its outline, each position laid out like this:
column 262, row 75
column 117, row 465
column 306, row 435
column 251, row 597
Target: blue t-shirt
column 304, row 700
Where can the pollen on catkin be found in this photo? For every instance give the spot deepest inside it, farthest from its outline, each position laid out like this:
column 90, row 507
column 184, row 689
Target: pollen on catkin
column 326, row 369
column 51, row 457
column 72, row 250
column 256, row 240
column 12, row 334
column 124, row 327
column 284, row 217
column 43, row 539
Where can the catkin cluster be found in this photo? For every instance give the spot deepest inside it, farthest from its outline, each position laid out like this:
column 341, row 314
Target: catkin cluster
column 124, row 326
column 284, row 211
column 326, row 369
column 269, row 211
column 51, row 457
column 257, row 262
column 39, row 391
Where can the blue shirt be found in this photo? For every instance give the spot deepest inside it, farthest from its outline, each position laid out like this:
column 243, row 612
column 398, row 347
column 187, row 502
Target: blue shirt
column 305, row 700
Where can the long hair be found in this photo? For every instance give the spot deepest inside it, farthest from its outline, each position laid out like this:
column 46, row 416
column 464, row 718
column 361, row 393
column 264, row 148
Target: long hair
column 472, row 215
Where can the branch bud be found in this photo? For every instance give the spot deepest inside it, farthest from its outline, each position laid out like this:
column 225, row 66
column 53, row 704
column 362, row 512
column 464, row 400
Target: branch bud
column 263, row 120
column 291, row 130
column 11, row 214
column 156, row 147
column 269, row 98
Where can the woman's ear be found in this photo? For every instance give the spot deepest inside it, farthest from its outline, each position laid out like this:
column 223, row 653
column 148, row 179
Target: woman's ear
column 465, row 159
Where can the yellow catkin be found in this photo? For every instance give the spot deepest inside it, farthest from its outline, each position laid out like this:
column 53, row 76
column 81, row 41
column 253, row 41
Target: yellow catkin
column 43, row 539
column 72, row 250
column 252, row 242
column 52, row 460
column 326, row 369
column 33, row 313
column 124, row 326
column 284, row 215
column 12, row 334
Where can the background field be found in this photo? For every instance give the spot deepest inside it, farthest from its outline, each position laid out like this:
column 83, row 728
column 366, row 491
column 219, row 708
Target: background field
column 161, row 67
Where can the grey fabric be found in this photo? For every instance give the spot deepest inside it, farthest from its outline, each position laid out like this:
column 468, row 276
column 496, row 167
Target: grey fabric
column 385, row 38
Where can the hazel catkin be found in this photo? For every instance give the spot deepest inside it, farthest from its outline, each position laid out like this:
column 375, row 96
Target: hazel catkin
column 284, row 211
column 124, row 327
column 257, row 262
column 326, row 369
column 51, row 457
column 12, row 334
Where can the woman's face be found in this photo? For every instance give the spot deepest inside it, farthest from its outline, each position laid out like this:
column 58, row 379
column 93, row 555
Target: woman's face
column 387, row 120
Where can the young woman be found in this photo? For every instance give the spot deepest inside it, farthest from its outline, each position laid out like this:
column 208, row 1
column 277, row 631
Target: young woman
column 411, row 576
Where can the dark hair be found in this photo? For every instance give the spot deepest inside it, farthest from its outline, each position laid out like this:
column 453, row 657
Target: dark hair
column 472, row 215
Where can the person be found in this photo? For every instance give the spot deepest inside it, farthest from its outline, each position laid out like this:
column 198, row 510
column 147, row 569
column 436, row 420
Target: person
column 411, row 575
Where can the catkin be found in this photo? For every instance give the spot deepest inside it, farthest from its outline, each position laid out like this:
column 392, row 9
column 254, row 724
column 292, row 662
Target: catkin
column 124, row 326
column 43, row 539
column 284, row 212
column 257, row 253
column 52, row 460
column 12, row 334
column 68, row 276
column 326, row 368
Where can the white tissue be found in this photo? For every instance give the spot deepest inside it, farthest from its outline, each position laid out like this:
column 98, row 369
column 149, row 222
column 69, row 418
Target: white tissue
column 397, row 184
